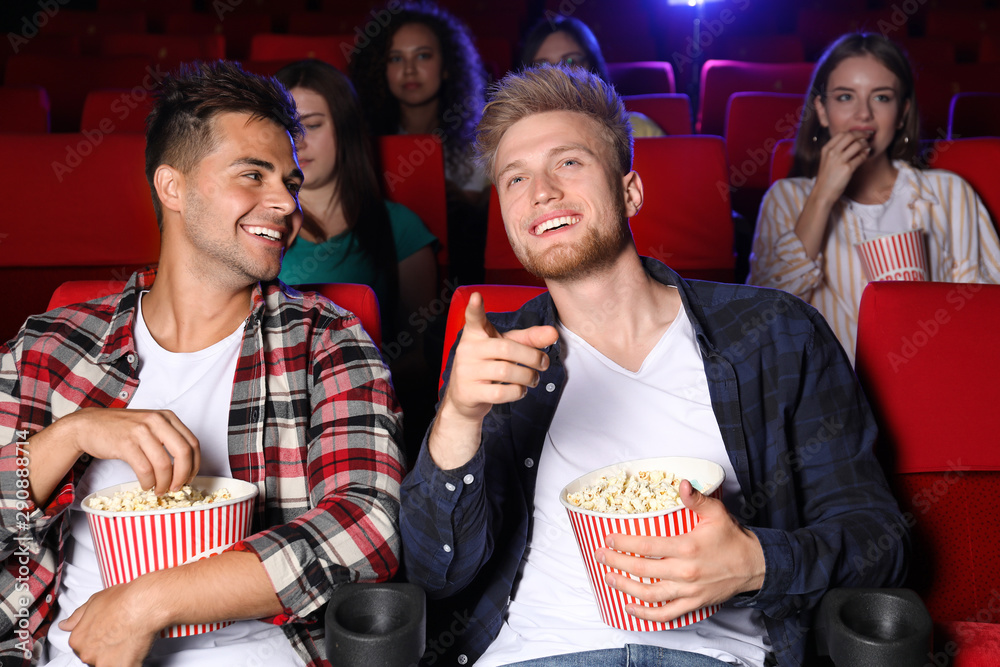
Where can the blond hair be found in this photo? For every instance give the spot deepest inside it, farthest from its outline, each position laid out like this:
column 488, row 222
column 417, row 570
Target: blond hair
column 552, row 88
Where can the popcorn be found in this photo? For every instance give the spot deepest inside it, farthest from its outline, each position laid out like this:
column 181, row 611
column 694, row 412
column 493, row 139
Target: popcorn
column 139, row 500
column 647, row 491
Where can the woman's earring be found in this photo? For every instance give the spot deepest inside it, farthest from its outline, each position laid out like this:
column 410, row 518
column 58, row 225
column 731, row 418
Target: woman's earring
column 906, row 139
column 815, row 139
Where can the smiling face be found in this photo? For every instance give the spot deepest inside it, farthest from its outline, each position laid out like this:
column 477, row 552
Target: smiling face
column 238, row 205
column 317, row 148
column 560, row 48
column 415, row 68
column 862, row 95
column 564, row 210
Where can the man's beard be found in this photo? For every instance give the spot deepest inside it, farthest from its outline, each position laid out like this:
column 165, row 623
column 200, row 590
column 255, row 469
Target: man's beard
column 599, row 248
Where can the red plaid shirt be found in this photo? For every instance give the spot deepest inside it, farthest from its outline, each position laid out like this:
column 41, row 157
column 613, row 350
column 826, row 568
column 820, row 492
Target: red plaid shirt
column 313, row 423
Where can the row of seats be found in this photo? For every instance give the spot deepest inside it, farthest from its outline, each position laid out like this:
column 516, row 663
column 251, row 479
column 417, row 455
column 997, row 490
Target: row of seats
column 654, row 30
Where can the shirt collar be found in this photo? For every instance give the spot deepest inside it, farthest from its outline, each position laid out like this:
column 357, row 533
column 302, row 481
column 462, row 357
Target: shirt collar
column 120, row 338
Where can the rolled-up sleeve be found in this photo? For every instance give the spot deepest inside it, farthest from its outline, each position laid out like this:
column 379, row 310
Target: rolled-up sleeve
column 778, row 258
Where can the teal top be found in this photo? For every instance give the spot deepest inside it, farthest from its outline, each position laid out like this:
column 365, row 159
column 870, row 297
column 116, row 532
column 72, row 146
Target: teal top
column 340, row 259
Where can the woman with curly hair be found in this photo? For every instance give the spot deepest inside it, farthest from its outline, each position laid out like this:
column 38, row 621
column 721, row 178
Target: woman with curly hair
column 423, row 75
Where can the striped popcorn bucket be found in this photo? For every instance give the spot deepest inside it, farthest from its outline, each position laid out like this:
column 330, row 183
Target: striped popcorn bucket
column 591, row 528
column 130, row 544
column 895, row 257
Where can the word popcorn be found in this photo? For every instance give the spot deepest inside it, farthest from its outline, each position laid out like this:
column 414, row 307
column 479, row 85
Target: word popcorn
column 647, row 491
column 139, row 500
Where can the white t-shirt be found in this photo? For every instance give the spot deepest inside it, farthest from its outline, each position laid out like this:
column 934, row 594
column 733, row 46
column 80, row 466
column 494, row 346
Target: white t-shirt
column 891, row 217
column 608, row 414
column 198, row 388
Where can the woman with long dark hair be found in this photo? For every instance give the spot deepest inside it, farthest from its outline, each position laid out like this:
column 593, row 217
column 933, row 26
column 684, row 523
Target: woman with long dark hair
column 350, row 233
column 854, row 179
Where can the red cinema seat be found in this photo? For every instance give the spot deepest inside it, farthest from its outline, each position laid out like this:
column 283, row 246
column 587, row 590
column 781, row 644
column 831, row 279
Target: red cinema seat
column 332, row 49
column 91, row 27
column 156, row 10
column 928, row 50
column 936, row 84
column 25, row 109
column 642, row 78
column 818, row 28
column 340, row 22
column 82, row 210
column 781, row 160
column 755, row 123
column 170, row 50
column 935, row 404
column 238, row 27
column 496, row 299
column 722, row 78
column 975, row 160
column 359, row 299
column 116, row 110
column 757, row 49
column 964, row 28
column 974, row 115
column 413, row 175
column 68, row 80
column 685, row 221
column 671, row 111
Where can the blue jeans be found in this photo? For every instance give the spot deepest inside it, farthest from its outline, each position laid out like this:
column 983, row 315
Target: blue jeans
column 633, row 655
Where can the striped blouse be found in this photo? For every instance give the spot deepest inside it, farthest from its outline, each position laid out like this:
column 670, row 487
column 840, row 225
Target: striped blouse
column 961, row 242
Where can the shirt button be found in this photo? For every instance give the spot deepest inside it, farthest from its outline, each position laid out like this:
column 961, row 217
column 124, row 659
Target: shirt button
column 130, row 358
column 550, row 387
column 48, row 599
column 528, row 463
column 85, row 458
column 449, row 486
column 255, row 415
column 447, row 548
column 462, row 659
column 469, row 479
column 123, row 394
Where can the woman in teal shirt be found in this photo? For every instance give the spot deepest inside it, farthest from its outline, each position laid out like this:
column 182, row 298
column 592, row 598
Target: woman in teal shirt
column 350, row 234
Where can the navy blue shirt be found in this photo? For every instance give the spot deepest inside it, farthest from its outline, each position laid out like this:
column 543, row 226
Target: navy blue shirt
column 796, row 426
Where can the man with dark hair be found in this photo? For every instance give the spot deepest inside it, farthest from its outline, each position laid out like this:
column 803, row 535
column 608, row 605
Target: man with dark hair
column 620, row 360
column 213, row 368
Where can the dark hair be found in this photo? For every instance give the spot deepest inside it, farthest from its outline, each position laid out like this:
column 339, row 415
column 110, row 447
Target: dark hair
column 576, row 29
column 180, row 127
column 358, row 187
column 462, row 91
column 807, row 151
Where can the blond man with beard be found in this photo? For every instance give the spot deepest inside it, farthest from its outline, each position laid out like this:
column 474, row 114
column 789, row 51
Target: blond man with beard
column 622, row 359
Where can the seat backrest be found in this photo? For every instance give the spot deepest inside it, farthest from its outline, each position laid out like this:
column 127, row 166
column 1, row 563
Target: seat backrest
column 974, row 115
column 643, row 77
column 935, row 84
column 963, row 27
column 496, row 299
column 358, row 299
column 167, row 49
column 25, row 109
column 932, row 386
column 685, row 221
column 782, row 158
column 413, row 175
column 68, row 79
column 755, row 123
column 239, row 27
column 92, row 26
column 818, row 28
column 671, row 111
column 757, row 48
column 328, row 48
column 116, row 110
column 722, row 78
column 974, row 160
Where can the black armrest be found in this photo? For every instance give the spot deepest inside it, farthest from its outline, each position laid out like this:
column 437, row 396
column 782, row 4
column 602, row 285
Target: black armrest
column 376, row 625
column 873, row 627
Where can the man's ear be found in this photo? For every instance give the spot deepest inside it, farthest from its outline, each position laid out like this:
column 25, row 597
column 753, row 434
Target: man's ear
column 169, row 184
column 633, row 193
